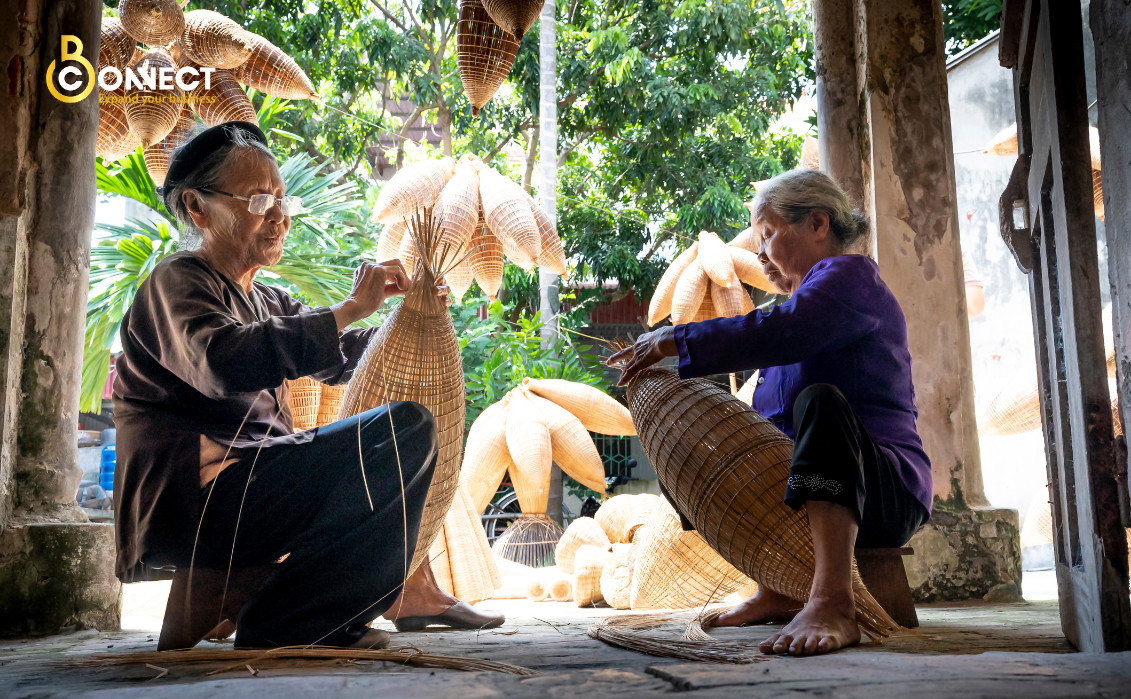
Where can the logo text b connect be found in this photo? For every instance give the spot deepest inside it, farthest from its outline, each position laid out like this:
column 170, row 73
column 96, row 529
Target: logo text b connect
column 66, row 73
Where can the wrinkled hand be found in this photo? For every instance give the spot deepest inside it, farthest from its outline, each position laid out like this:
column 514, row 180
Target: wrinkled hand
column 648, row 349
column 373, row 284
column 444, row 292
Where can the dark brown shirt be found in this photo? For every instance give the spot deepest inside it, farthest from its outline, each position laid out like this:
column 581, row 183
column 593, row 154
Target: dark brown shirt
column 202, row 356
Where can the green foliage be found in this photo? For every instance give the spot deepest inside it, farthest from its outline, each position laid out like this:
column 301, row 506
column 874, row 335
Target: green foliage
column 967, row 21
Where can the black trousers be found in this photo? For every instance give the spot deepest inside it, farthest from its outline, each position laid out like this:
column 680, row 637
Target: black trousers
column 346, row 558
column 835, row 460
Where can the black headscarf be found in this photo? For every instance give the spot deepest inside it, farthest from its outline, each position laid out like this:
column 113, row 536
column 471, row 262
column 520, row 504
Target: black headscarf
column 189, row 156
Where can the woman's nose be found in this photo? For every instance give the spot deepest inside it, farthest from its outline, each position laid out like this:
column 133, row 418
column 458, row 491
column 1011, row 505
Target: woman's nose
column 762, row 257
column 274, row 213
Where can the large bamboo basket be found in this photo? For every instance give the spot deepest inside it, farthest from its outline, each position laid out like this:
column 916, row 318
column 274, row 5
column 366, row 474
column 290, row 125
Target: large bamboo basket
column 414, row 188
column 223, row 101
column 415, row 357
column 597, row 411
column 571, row 444
column 271, row 71
column 152, row 22
column 211, row 39
column 157, row 156
column 389, row 244
column 529, row 540
column 514, row 16
column 116, row 46
column 725, row 466
column 486, row 260
column 528, row 440
column 621, row 515
column 152, row 121
column 661, row 305
column 715, row 260
column 305, row 394
column 583, row 531
column 509, row 216
column 329, row 404
column 484, row 52
column 462, row 552
column 589, row 564
column 677, row 569
column 487, row 457
column 616, row 577
column 115, row 140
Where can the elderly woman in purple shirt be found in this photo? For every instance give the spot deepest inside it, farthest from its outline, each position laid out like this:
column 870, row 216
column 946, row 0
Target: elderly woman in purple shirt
column 834, row 375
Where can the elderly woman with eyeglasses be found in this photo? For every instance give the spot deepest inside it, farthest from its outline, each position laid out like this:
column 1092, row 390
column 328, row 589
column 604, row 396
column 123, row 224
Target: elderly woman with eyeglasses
column 210, row 472
column 835, row 377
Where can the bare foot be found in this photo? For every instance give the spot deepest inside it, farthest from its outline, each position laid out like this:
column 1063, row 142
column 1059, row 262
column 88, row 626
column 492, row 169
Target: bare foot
column 824, row 625
column 765, row 607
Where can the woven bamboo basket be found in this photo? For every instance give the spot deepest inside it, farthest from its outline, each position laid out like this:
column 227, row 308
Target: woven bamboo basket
column 211, row 39
column 484, row 53
column 537, row 590
column 616, row 576
column 509, row 216
column 457, row 207
column 706, row 310
column 414, row 188
column 689, row 292
column 616, row 516
column 115, row 140
column 152, row 120
column 552, row 255
column 415, row 357
column 158, row 155
column 330, row 404
column 389, row 244
column 561, row 589
column 642, row 508
column 528, row 440
column 715, row 260
column 514, row 16
column 529, row 540
column 152, row 22
column 597, row 411
column 486, row 458
column 583, row 531
column 748, row 269
column 572, row 446
column 1014, row 410
column 460, row 279
column 116, row 46
column 661, row 305
column 305, row 394
column 589, row 563
column 466, row 553
column 271, row 71
column 677, row 569
column 228, row 101
column 407, row 254
column 745, row 240
column 486, row 260
column 726, row 467
column 730, row 302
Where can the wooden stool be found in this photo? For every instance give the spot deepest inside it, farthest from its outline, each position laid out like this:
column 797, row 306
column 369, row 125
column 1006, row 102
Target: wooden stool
column 199, row 608
column 886, row 578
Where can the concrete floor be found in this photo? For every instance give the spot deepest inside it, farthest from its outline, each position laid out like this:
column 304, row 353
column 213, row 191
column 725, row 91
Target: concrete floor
column 969, row 650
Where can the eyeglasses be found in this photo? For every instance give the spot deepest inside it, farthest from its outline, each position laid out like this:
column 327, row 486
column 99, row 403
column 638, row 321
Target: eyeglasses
column 258, row 204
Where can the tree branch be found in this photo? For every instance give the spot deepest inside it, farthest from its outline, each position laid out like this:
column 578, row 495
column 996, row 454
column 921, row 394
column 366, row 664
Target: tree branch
column 663, row 236
column 389, row 15
column 401, row 135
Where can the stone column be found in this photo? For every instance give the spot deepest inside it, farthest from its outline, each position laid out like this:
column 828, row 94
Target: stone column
column 56, row 568
column 838, row 109
column 968, row 550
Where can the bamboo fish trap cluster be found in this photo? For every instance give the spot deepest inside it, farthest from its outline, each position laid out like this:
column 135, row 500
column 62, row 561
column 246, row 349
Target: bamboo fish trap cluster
column 481, row 211
column 705, row 281
column 725, row 466
column 178, row 39
column 485, row 52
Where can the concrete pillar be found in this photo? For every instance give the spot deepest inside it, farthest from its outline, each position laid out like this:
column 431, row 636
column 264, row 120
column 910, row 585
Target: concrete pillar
column 56, row 568
column 838, row 109
column 968, row 550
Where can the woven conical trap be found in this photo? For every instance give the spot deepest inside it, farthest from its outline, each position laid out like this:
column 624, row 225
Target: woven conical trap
column 415, row 357
column 725, row 467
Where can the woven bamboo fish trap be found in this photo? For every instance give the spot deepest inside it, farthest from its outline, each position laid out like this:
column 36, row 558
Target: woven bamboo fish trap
column 152, row 22
column 730, row 302
column 589, row 563
column 528, row 440
column 621, row 515
column 304, row 395
column 745, row 240
column 415, row 357
column 486, row 260
column 715, row 260
column 223, row 101
column 457, row 206
column 414, row 188
column 706, row 310
column 116, row 46
column 660, row 306
column 597, row 411
column 571, row 445
column 677, row 569
column 155, row 112
column 529, row 540
column 271, row 71
column 508, row 214
column 115, row 140
column 486, row 457
column 211, row 39
column 689, row 292
column 514, row 16
column 157, row 156
column 462, row 552
column 389, row 244
column 485, row 53
column 330, row 403
column 1013, row 411
column 725, row 466
column 748, row 269
column 459, row 279
column 552, row 256
column 616, row 576
column 583, row 531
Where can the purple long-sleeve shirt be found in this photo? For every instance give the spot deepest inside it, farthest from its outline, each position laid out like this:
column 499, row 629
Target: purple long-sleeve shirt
column 842, row 326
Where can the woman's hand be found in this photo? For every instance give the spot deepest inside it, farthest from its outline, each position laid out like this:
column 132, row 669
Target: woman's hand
column 648, row 349
column 373, row 283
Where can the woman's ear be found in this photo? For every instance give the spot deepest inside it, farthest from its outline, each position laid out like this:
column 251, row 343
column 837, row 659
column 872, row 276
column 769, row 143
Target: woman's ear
column 819, row 222
column 194, row 205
